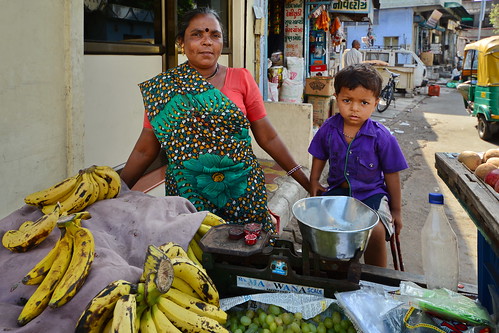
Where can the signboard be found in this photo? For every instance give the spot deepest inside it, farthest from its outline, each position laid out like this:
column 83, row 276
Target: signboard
column 293, row 28
column 350, row 6
column 274, row 286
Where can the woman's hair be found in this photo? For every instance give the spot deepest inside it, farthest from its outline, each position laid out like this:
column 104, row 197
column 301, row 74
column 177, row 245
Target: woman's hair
column 188, row 16
column 357, row 75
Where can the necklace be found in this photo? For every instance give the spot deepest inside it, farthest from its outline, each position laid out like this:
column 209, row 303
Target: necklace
column 348, row 136
column 213, row 74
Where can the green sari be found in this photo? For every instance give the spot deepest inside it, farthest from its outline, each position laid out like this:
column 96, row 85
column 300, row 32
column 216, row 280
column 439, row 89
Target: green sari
column 208, row 146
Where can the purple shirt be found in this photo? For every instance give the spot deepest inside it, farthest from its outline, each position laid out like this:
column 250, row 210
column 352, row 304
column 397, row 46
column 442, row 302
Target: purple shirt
column 363, row 162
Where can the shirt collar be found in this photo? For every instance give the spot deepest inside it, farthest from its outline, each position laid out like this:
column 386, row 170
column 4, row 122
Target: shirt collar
column 368, row 128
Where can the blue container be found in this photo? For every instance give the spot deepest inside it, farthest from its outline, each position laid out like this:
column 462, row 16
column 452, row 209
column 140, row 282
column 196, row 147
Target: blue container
column 488, row 272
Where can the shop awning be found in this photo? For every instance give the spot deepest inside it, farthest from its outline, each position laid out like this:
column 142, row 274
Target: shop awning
column 458, row 11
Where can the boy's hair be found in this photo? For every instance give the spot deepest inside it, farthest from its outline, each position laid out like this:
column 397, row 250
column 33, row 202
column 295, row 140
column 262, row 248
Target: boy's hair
column 356, row 75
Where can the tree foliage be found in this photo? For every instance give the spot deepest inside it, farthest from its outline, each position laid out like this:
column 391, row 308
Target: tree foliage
column 494, row 17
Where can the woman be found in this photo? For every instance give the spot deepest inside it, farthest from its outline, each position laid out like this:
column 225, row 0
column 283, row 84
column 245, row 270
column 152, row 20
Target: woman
column 200, row 113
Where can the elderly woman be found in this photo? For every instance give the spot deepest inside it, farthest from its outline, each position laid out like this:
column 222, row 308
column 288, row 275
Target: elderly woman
column 200, row 113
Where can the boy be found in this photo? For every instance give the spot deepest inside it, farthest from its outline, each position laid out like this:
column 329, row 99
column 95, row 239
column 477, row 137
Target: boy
column 364, row 158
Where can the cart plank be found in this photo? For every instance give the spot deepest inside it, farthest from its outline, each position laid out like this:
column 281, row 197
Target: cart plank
column 477, row 198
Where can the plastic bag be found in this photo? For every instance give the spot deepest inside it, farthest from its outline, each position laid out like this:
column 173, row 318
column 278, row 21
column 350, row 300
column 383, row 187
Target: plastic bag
column 446, row 304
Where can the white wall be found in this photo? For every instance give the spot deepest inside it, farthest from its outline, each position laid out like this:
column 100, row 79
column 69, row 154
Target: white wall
column 37, row 71
column 113, row 106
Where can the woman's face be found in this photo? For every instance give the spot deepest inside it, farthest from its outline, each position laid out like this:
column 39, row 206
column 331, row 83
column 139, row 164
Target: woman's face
column 203, row 41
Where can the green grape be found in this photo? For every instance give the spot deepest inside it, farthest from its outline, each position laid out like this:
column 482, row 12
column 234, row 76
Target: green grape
column 345, row 323
column 289, row 330
column 317, row 318
column 250, row 314
column 269, row 319
column 321, row 328
column 266, row 330
column 237, row 330
column 312, row 327
column 252, row 328
column 337, row 327
column 265, row 325
column 246, row 321
column 278, row 320
column 336, row 317
column 274, row 309
column 233, row 326
column 295, row 327
column 256, row 320
column 287, row 318
column 331, row 330
column 351, row 330
column 280, row 329
column 305, row 328
column 262, row 317
column 273, row 327
column 298, row 316
column 328, row 322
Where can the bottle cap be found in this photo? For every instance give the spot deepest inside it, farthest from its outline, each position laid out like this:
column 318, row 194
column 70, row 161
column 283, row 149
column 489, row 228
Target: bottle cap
column 436, row 198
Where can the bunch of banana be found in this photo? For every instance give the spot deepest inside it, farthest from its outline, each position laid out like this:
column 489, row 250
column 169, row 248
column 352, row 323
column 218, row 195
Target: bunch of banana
column 153, row 304
column 55, row 272
column 79, row 191
column 194, row 250
column 31, row 233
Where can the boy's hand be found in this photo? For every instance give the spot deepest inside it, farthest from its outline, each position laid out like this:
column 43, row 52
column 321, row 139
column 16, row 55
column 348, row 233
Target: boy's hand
column 397, row 221
column 316, row 189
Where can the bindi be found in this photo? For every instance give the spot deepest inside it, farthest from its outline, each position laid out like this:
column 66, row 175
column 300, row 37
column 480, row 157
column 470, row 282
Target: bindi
column 207, row 30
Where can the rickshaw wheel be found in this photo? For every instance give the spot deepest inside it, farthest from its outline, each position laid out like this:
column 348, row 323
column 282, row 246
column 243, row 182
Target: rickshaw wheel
column 484, row 128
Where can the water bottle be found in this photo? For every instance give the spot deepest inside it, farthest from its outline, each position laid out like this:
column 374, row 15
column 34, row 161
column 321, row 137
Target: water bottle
column 439, row 247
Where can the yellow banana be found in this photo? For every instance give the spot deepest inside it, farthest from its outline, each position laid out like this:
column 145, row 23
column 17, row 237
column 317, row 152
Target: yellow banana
column 183, row 286
column 124, row 314
column 192, row 255
column 147, row 323
column 95, row 188
column 101, row 182
column 151, row 264
column 197, row 278
column 108, row 328
column 112, row 178
column 196, row 250
column 52, row 194
column 32, row 234
column 78, row 199
column 79, row 268
column 186, row 320
column 213, row 220
column 203, row 229
column 141, row 307
column 41, row 297
column 101, row 307
column 196, row 305
column 172, row 250
column 163, row 324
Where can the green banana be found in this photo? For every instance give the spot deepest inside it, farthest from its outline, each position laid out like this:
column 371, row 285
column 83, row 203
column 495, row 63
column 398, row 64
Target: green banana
column 41, row 297
column 101, row 307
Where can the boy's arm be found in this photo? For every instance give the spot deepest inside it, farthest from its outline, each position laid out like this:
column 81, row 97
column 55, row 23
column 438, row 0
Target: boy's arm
column 315, row 175
column 392, row 181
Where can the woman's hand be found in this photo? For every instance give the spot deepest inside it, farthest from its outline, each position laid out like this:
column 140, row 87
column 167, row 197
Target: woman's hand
column 316, row 189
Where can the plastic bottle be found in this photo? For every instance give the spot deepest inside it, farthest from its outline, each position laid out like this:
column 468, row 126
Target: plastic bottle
column 439, row 247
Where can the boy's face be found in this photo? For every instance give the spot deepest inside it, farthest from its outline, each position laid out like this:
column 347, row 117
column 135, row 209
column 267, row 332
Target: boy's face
column 356, row 105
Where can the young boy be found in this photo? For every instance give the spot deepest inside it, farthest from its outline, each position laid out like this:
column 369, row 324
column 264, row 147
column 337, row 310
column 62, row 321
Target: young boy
column 364, row 158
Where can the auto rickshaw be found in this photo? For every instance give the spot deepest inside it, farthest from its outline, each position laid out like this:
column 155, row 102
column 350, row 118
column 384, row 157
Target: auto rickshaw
column 481, row 75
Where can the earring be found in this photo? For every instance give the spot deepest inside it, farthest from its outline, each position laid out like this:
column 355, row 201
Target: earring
column 182, row 49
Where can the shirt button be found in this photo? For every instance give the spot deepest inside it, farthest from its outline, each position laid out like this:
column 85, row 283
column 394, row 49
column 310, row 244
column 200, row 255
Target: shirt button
column 371, row 165
column 348, row 173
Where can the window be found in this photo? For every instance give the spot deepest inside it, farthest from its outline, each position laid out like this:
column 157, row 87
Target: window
column 390, row 42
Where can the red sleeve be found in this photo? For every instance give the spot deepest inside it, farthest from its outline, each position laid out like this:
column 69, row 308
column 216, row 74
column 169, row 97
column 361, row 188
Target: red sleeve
column 147, row 123
column 241, row 88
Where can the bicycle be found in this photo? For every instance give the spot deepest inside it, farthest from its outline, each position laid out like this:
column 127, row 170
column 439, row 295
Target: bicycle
column 388, row 93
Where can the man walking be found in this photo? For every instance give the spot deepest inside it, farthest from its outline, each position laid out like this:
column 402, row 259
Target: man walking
column 353, row 56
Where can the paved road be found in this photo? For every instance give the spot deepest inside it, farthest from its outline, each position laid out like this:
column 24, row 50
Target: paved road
column 423, row 126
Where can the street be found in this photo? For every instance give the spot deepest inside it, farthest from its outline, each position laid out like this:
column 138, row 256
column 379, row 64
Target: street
column 423, row 126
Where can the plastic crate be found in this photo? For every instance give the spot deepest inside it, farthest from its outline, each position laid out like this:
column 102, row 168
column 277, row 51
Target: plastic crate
column 488, row 272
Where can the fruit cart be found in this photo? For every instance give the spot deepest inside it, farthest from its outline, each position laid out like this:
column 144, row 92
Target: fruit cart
column 482, row 205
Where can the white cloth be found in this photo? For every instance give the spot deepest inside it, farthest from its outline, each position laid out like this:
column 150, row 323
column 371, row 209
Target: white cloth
column 353, row 57
column 122, row 228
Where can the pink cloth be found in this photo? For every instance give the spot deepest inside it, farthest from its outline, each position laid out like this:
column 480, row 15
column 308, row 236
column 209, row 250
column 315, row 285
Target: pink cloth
column 241, row 88
column 122, row 228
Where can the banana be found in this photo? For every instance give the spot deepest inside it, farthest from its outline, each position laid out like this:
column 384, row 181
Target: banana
column 213, row 220
column 203, row 229
column 112, row 178
column 147, row 323
column 41, row 297
column 32, row 234
column 183, row 286
column 153, row 258
column 52, row 194
column 196, row 249
column 141, row 307
column 163, row 324
column 197, row 306
column 192, row 255
column 108, row 328
column 78, row 199
column 124, row 314
column 79, row 268
column 186, row 320
column 197, row 278
column 101, row 182
column 95, row 188
column 172, row 250
column 101, row 307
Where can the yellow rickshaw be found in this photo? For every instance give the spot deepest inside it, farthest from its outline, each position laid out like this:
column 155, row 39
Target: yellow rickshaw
column 481, row 76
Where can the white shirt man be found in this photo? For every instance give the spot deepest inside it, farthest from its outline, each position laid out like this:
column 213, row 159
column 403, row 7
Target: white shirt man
column 353, row 56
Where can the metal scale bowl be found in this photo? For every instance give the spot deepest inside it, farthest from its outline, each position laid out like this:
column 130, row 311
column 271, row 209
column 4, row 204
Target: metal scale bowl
column 326, row 263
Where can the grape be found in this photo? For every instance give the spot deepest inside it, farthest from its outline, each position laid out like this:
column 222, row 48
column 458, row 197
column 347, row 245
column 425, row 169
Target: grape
column 330, row 330
column 246, row 321
column 272, row 327
column 287, row 318
column 262, row 317
column 305, row 328
column 351, row 330
column 312, row 327
column 321, row 328
column 317, row 318
column 295, row 327
column 337, row 327
column 278, row 320
column 269, row 319
column 298, row 316
column 238, row 330
column 250, row 314
column 336, row 317
column 328, row 322
column 280, row 329
column 252, row 328
column 345, row 323
column 266, row 330
column 274, row 309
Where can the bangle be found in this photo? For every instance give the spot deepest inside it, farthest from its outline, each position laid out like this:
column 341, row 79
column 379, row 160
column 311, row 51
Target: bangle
column 297, row 167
